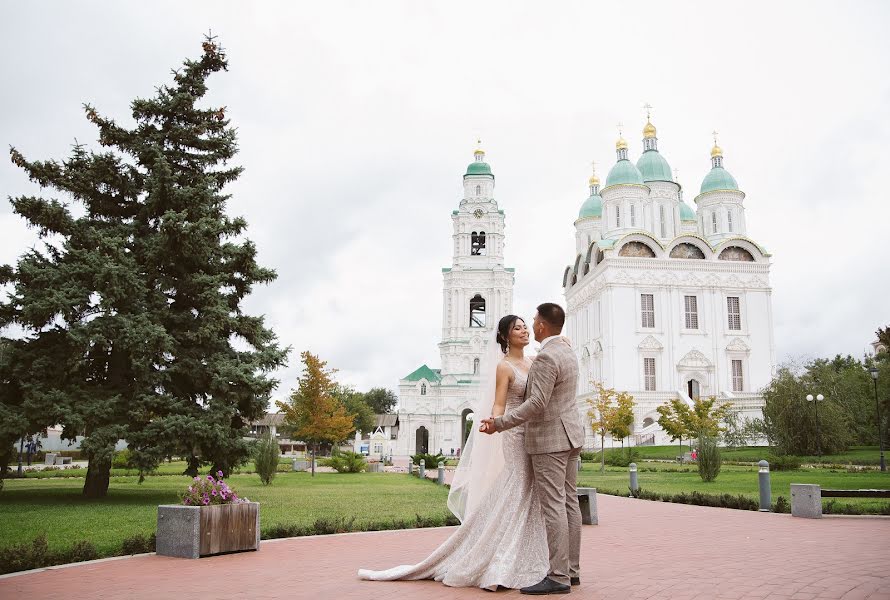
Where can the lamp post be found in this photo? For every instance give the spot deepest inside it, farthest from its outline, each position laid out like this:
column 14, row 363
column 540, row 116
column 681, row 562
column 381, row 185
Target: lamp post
column 874, row 376
column 819, row 398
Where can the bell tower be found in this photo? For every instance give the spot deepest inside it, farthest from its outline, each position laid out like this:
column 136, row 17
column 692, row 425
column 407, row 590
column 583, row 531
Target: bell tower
column 478, row 289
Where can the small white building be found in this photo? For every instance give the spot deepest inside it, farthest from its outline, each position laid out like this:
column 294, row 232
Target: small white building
column 381, row 440
column 666, row 302
column 478, row 289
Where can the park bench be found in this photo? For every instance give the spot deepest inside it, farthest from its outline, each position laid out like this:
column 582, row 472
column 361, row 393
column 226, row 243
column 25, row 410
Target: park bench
column 806, row 498
column 587, row 502
column 63, row 460
column 687, row 457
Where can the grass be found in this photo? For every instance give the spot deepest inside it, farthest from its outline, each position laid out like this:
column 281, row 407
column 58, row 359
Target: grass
column 673, row 479
column 857, row 455
column 167, row 468
column 29, row 507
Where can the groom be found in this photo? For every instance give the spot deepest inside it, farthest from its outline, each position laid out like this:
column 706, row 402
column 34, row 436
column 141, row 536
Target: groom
column 553, row 439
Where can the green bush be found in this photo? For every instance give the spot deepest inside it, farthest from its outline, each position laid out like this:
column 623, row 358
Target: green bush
column 708, row 459
column 138, row 544
column 781, row 505
column 345, row 462
column 616, row 457
column 344, row 525
column 784, row 462
column 265, row 459
column 588, row 456
column 430, row 461
column 121, row 460
column 22, row 557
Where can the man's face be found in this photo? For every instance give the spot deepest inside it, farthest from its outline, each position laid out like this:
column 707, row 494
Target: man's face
column 538, row 328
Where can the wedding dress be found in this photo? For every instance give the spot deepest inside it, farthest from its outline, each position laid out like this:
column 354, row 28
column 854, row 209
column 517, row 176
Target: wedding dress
column 500, row 542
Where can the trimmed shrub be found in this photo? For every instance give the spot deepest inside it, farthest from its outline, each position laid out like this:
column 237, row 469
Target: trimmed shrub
column 266, row 458
column 22, row 557
column 709, row 459
column 781, row 506
column 784, row 462
column 138, row 544
column 345, row 462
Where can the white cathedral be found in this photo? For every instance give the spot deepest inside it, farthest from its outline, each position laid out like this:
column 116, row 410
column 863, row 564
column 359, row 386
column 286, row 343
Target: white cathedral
column 661, row 301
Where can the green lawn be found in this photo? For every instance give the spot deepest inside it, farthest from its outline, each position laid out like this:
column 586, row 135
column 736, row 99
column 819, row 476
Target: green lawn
column 857, row 455
column 29, row 507
column 673, row 479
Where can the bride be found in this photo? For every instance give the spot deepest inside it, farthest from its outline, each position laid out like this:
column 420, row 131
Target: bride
column 501, row 540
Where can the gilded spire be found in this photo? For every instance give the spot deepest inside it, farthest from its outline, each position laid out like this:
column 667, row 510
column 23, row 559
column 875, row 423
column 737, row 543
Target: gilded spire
column 479, row 153
column 594, row 181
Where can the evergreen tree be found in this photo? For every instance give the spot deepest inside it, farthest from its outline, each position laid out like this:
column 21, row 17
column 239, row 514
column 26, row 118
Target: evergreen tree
column 132, row 311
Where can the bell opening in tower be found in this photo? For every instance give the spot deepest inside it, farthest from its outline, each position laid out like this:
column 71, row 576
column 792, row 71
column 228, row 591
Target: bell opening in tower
column 477, row 244
column 477, row 311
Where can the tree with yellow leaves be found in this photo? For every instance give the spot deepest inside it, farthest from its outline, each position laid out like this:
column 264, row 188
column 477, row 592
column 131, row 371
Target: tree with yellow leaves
column 602, row 415
column 314, row 413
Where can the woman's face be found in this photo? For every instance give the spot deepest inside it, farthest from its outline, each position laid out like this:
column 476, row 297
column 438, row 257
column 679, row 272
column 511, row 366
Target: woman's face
column 518, row 336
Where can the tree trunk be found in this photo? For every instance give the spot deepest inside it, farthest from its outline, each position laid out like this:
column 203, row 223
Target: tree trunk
column 314, row 452
column 603, row 452
column 193, row 465
column 98, row 476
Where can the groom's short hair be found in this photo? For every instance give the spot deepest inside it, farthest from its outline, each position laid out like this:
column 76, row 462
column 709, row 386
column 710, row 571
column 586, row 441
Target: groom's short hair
column 553, row 314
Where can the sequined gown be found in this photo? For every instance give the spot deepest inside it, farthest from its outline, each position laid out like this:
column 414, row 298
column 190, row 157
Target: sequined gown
column 504, row 541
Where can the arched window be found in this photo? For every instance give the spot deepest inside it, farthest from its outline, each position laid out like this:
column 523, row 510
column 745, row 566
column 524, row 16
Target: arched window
column 477, row 244
column 423, row 389
column 617, row 216
column 729, row 220
column 633, row 215
column 478, row 190
column 663, row 222
column 714, row 222
column 477, row 311
column 475, row 366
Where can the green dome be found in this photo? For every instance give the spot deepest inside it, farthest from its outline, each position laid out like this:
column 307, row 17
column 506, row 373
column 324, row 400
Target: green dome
column 624, row 171
column 686, row 213
column 592, row 207
column 478, row 168
column 653, row 167
column 718, row 179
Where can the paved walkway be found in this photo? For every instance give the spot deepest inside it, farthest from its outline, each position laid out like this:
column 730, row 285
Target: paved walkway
column 640, row 550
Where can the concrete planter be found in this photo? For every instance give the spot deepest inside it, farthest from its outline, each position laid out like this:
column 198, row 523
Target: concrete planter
column 196, row 531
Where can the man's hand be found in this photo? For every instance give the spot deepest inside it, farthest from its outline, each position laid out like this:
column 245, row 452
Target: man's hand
column 487, row 426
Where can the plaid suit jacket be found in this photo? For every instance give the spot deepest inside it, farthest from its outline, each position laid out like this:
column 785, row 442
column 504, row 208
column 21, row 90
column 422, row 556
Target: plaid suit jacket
column 550, row 410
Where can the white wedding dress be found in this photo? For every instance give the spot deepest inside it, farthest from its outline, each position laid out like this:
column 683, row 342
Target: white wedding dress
column 503, row 542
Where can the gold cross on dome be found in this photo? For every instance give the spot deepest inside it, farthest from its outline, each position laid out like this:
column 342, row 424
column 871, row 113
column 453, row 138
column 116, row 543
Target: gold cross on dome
column 648, row 108
column 593, row 166
column 620, row 129
column 714, row 133
column 675, row 174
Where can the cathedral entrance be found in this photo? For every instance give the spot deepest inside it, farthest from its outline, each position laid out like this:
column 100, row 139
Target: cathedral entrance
column 421, row 441
column 693, row 389
column 466, row 422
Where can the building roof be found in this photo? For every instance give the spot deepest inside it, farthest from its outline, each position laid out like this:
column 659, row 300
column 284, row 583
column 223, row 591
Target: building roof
column 592, row 207
column 478, row 168
column 386, row 420
column 424, row 372
column 653, row 167
column 686, row 213
column 268, row 419
column 718, row 178
column 624, row 171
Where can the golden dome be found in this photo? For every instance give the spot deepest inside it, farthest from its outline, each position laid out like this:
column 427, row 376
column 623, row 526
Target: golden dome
column 649, row 130
column 594, row 180
column 621, row 144
column 716, row 151
column 479, row 151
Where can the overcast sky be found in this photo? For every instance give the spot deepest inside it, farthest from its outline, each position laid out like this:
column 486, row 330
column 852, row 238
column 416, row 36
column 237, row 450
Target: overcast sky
column 356, row 122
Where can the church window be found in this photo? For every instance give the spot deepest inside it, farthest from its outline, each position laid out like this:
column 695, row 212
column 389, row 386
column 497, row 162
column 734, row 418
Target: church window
column 738, row 382
column 729, row 220
column 617, row 216
column 649, row 374
column 691, row 306
column 633, row 215
column 735, row 313
column 477, row 311
column 663, row 223
column 475, row 366
column 647, row 309
column 477, row 244
column 423, row 389
column 714, row 222
column 478, row 190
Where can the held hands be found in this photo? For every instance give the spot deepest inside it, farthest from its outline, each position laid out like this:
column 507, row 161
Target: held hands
column 487, row 426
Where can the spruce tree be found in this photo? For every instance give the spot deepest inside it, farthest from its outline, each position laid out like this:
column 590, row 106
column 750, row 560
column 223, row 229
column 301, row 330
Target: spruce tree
column 133, row 308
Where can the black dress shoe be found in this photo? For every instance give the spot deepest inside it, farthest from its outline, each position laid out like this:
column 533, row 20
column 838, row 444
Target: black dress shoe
column 547, row 586
column 575, row 581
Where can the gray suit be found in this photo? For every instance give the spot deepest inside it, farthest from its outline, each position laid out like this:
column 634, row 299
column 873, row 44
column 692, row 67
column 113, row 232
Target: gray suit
column 553, row 438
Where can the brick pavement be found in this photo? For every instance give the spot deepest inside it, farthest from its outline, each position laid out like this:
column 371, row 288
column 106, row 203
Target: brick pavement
column 640, row 550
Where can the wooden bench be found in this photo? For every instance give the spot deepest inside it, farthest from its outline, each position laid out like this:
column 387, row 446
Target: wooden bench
column 806, row 498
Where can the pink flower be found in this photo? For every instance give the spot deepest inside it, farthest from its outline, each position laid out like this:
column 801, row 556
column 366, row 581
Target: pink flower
column 206, row 501
column 188, row 500
column 219, row 474
column 213, row 493
column 210, row 478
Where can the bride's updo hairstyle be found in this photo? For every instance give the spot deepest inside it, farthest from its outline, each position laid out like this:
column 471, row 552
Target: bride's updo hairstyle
column 505, row 325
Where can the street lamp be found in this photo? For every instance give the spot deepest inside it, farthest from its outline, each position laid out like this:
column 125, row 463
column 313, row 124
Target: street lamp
column 874, row 376
column 819, row 398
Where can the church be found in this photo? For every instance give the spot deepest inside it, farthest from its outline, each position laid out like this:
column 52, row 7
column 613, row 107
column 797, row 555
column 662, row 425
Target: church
column 662, row 301
column 477, row 290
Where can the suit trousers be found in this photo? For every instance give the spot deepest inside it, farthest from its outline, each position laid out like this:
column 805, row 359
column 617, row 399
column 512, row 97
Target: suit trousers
column 555, row 484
